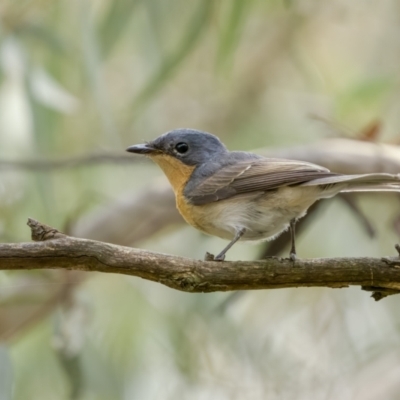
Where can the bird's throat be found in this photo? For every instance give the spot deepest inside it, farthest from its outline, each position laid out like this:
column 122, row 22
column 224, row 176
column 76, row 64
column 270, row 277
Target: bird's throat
column 177, row 173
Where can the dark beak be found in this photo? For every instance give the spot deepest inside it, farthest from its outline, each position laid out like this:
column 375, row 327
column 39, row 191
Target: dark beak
column 141, row 149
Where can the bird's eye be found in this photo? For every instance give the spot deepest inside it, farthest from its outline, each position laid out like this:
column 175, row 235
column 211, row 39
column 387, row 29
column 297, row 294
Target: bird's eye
column 182, row 147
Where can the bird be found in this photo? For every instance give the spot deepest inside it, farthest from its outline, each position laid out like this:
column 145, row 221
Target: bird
column 237, row 195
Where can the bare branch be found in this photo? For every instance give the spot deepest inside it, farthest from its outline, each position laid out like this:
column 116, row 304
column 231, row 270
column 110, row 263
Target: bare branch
column 345, row 156
column 339, row 155
column 66, row 163
column 61, row 251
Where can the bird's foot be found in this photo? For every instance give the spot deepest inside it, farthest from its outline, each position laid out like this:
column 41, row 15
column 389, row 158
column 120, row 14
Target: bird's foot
column 220, row 257
column 211, row 257
column 393, row 263
column 292, row 256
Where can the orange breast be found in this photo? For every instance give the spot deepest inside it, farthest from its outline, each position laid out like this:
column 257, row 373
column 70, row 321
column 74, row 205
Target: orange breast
column 178, row 174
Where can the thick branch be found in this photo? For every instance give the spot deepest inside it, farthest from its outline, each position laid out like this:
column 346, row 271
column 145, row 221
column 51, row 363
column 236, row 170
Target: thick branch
column 55, row 250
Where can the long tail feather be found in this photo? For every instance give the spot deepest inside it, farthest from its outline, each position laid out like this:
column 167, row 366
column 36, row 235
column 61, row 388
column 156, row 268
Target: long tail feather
column 357, row 183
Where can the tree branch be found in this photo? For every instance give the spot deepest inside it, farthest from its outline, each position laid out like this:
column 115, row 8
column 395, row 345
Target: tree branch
column 339, row 155
column 53, row 250
column 67, row 163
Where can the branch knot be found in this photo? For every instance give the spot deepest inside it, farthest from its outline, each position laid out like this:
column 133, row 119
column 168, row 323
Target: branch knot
column 41, row 232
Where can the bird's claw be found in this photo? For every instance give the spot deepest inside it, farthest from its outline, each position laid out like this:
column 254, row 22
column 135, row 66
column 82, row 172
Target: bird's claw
column 391, row 263
column 211, row 257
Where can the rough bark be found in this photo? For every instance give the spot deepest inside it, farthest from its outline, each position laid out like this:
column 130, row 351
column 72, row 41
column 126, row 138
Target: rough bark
column 53, row 249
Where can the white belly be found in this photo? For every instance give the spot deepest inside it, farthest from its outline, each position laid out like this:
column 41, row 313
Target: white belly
column 263, row 215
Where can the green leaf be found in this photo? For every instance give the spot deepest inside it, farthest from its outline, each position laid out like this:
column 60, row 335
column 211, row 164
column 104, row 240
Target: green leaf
column 44, row 35
column 189, row 38
column 363, row 101
column 115, row 21
column 231, row 32
column 93, row 64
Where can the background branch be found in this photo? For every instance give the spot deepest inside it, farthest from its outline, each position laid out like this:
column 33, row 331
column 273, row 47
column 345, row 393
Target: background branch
column 66, row 163
column 339, row 155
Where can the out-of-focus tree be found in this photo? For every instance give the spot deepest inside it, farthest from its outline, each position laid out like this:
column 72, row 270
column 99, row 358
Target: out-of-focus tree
column 82, row 77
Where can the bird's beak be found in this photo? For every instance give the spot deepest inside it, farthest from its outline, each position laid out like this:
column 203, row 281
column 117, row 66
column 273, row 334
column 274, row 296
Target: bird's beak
column 141, row 149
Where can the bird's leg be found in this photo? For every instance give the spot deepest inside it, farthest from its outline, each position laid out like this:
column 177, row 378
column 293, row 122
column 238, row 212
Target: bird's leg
column 239, row 234
column 292, row 254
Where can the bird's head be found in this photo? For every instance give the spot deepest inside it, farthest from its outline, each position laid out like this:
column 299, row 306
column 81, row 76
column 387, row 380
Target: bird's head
column 189, row 146
column 180, row 151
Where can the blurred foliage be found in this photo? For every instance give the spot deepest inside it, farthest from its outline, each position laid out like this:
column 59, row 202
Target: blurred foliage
column 83, row 76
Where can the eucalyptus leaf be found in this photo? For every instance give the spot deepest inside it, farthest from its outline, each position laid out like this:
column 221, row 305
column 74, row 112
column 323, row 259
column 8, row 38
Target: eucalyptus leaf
column 364, row 100
column 189, row 38
column 44, row 35
column 115, row 20
column 231, row 32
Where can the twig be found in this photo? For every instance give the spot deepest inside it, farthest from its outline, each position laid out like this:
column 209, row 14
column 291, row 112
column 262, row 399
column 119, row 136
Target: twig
column 66, row 163
column 189, row 275
column 344, row 155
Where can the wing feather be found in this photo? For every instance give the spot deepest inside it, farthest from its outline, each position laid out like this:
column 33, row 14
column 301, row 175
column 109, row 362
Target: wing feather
column 254, row 176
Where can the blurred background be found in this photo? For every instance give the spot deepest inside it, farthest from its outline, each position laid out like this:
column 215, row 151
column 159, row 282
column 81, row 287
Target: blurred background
column 81, row 80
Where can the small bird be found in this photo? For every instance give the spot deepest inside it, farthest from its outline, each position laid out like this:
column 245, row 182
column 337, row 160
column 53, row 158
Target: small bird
column 237, row 195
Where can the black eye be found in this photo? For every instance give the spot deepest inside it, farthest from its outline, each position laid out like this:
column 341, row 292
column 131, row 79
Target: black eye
column 182, row 147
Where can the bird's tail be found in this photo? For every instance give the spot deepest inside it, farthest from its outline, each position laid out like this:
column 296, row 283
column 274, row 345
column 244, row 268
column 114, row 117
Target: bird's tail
column 356, row 183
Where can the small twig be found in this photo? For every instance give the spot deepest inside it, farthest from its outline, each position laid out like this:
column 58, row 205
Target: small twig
column 66, row 163
column 348, row 198
column 62, row 251
column 379, row 293
column 41, row 232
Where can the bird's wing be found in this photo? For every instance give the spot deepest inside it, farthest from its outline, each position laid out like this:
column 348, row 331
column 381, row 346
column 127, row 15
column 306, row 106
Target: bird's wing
column 256, row 175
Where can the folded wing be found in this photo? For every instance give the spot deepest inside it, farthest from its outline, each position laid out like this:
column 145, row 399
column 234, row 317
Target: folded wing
column 255, row 176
